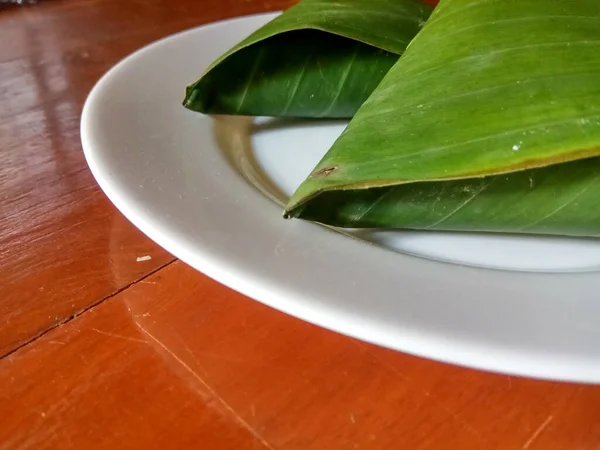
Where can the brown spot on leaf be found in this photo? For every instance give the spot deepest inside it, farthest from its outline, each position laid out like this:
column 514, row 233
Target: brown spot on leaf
column 325, row 171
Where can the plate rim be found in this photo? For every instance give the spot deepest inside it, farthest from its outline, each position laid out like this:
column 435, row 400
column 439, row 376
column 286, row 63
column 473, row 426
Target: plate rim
column 467, row 354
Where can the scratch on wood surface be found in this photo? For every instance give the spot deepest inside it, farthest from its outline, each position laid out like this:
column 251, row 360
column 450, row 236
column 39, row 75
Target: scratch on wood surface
column 253, row 412
column 537, row 432
column 118, row 336
column 466, row 425
column 394, row 369
column 189, row 350
column 244, row 361
column 211, row 391
column 38, row 133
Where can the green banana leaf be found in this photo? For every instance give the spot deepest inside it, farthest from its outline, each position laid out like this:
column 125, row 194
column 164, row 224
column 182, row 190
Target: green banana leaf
column 490, row 121
column 318, row 59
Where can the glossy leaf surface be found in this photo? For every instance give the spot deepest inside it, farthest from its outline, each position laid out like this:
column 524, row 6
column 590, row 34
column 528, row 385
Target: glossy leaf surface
column 489, row 87
column 318, row 59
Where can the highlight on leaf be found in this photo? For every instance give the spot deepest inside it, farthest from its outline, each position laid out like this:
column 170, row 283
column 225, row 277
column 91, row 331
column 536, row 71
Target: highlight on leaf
column 490, row 121
column 317, row 59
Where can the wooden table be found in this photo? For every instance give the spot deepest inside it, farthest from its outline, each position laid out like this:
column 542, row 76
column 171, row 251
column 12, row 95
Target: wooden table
column 101, row 350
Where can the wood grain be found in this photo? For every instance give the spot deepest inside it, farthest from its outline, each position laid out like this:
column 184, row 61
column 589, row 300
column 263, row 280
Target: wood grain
column 63, row 247
column 177, row 361
column 102, row 351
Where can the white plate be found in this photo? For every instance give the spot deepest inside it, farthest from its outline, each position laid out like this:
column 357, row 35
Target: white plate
column 531, row 307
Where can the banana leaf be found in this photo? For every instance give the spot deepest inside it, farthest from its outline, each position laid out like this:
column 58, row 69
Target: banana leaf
column 318, row 59
column 490, row 121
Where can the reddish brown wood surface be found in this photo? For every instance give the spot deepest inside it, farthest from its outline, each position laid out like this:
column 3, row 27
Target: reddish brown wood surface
column 177, row 361
column 159, row 356
column 63, row 247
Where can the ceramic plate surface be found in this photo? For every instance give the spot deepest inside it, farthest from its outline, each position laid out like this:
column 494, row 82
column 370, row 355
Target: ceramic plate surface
column 210, row 190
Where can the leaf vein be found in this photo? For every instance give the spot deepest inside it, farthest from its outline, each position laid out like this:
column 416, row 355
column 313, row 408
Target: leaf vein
column 343, row 80
column 439, row 37
column 251, row 77
column 442, row 100
column 563, row 206
column 484, row 186
column 419, row 75
column 374, row 204
column 485, row 138
column 295, row 89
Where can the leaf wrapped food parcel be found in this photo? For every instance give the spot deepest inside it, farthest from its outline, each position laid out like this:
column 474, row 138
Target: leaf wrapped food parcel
column 490, row 121
column 320, row 58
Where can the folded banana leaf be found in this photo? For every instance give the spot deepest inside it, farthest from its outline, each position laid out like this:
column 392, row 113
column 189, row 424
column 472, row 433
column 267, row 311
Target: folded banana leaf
column 318, row 59
column 490, row 121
